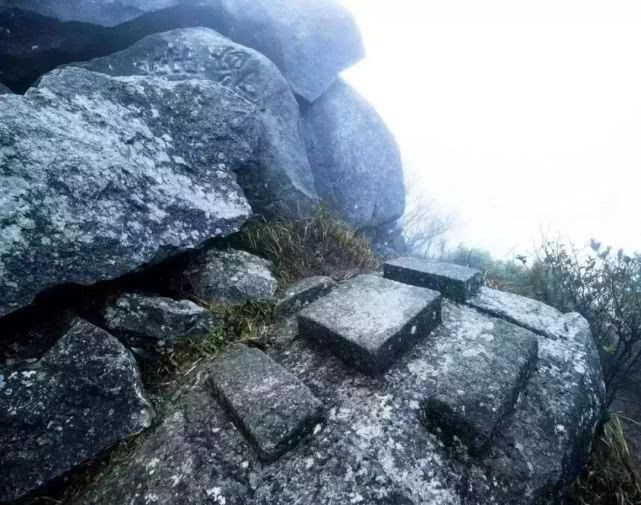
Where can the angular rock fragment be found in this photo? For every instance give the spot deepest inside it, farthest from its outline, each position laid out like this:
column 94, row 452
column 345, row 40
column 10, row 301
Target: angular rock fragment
column 270, row 405
column 227, row 276
column 326, row 37
column 81, row 398
column 278, row 179
column 453, row 281
column 369, row 321
column 531, row 314
column 354, row 157
column 303, row 293
column 486, row 365
column 103, row 175
column 156, row 322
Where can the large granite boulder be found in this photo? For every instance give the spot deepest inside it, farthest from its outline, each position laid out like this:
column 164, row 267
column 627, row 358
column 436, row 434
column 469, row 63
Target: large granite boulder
column 278, row 180
column 354, row 157
column 103, row 175
column 311, row 42
column 482, row 410
column 226, row 276
column 83, row 396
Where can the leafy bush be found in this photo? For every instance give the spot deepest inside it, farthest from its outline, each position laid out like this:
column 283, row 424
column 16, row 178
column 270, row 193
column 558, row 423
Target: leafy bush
column 317, row 245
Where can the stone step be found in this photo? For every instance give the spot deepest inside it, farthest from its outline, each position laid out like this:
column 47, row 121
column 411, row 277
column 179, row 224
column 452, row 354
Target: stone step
column 271, row 406
column 485, row 365
column 369, row 321
column 453, row 281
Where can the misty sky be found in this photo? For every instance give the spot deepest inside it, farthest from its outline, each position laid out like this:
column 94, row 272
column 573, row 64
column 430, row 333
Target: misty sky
column 517, row 116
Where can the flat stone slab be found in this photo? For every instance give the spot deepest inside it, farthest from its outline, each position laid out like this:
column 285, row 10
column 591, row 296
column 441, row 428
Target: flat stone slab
column 303, row 293
column 269, row 405
column 369, row 321
column 531, row 314
column 453, row 281
column 486, row 364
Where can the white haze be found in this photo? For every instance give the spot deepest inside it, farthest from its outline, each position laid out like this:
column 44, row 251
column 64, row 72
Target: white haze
column 520, row 117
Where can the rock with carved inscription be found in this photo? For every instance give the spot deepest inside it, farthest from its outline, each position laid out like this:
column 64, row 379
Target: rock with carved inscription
column 278, row 179
column 310, row 41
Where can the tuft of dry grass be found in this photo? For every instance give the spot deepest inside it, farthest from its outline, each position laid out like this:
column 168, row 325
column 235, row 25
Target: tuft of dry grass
column 611, row 478
column 316, row 245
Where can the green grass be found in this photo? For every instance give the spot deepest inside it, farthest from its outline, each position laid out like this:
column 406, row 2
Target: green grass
column 611, row 478
column 317, row 245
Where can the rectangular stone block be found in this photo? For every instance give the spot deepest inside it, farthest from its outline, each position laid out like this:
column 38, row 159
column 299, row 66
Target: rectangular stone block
column 487, row 363
column 369, row 321
column 271, row 406
column 453, row 281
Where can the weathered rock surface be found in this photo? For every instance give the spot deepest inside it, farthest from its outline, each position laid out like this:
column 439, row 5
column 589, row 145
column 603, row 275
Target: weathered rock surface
column 531, row 314
column 81, row 398
column 278, row 180
column 486, row 365
column 227, row 276
column 369, row 321
column 454, row 281
column 374, row 447
column 326, row 37
column 303, row 293
column 102, row 175
column 270, row 405
column 354, row 157
column 156, row 322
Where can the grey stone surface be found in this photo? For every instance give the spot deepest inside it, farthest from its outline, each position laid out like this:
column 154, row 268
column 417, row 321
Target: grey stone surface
column 303, row 293
column 374, row 447
column 311, row 42
column 487, row 364
column 278, row 179
column 354, row 157
column 156, row 322
column 270, row 405
column 453, row 281
column 4, row 90
column 103, row 175
column 81, row 398
column 369, row 321
column 563, row 403
column 227, row 276
column 531, row 314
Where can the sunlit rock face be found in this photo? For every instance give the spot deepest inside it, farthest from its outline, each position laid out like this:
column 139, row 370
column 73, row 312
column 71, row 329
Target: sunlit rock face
column 278, row 180
column 311, row 42
column 354, row 157
column 103, row 175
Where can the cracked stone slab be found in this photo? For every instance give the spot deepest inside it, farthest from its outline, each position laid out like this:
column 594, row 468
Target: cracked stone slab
column 271, row 406
column 531, row 314
column 453, row 281
column 477, row 391
column 369, row 321
column 81, row 398
column 303, row 293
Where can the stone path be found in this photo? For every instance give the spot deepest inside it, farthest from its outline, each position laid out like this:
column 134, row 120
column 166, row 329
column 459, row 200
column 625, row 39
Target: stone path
column 390, row 395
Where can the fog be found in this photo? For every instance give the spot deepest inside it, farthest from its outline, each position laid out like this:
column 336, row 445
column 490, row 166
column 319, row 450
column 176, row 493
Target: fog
column 522, row 118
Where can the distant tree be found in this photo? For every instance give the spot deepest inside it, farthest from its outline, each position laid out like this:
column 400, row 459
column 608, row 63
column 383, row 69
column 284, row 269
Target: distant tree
column 425, row 226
